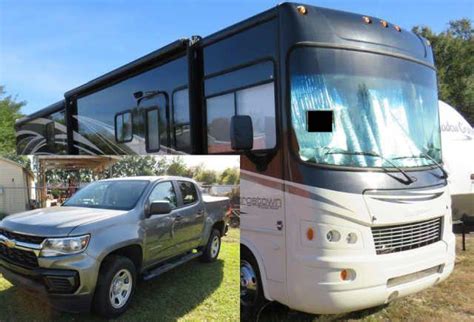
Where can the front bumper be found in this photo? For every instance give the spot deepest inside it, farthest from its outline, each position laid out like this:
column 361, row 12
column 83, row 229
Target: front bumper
column 314, row 285
column 65, row 283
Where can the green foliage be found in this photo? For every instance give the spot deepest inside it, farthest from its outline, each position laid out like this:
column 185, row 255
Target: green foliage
column 454, row 58
column 177, row 167
column 135, row 165
column 230, row 176
column 205, row 176
column 10, row 111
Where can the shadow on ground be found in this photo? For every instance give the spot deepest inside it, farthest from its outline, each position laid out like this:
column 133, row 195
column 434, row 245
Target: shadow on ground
column 168, row 297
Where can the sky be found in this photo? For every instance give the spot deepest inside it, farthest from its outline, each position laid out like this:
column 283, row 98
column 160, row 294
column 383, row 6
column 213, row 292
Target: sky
column 48, row 47
column 214, row 162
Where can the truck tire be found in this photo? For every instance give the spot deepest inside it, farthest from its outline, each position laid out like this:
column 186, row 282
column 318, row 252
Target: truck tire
column 115, row 286
column 251, row 287
column 213, row 247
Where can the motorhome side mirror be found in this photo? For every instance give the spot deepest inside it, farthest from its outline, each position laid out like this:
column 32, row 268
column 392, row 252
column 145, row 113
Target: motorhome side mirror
column 161, row 207
column 241, row 133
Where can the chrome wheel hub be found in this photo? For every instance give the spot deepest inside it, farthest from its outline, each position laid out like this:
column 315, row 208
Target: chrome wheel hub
column 120, row 288
column 248, row 283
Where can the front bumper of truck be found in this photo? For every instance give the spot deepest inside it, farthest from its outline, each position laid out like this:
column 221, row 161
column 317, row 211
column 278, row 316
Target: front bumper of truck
column 66, row 283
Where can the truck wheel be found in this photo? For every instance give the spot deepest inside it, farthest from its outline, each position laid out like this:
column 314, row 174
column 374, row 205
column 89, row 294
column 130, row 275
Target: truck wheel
column 213, row 247
column 251, row 290
column 115, row 286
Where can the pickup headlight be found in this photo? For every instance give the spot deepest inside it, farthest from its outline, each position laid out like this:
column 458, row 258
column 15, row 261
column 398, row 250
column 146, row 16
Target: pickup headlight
column 64, row 246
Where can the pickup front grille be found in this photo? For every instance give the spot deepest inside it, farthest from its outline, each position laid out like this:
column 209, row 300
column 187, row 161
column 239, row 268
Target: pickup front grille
column 21, row 237
column 392, row 239
column 18, row 257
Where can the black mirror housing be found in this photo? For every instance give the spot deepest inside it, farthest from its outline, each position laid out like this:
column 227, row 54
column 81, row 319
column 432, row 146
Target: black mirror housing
column 161, row 207
column 241, row 132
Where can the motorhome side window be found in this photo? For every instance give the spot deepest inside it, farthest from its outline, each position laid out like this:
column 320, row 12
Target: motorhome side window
column 123, row 127
column 188, row 192
column 181, row 127
column 246, row 91
column 164, row 191
column 152, row 130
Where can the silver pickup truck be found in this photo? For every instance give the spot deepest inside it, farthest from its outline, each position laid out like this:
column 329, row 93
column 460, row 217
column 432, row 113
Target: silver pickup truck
column 90, row 252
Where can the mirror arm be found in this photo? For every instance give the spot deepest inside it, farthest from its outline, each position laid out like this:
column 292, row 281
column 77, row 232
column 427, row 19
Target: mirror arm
column 261, row 161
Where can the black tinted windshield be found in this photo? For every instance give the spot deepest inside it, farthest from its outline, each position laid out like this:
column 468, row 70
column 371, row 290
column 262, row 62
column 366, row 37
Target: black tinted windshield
column 121, row 195
column 382, row 106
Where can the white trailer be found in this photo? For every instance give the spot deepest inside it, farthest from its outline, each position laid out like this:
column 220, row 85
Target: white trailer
column 457, row 137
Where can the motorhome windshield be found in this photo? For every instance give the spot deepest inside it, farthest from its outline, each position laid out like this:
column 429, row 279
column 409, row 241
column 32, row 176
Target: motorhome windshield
column 120, row 195
column 382, row 106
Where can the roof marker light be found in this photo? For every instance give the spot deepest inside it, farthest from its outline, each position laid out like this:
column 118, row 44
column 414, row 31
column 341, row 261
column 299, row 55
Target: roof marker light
column 397, row 28
column 367, row 20
column 302, row 10
column 384, row 23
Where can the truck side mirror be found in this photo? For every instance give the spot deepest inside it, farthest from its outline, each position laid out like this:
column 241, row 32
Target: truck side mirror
column 161, row 207
column 241, row 133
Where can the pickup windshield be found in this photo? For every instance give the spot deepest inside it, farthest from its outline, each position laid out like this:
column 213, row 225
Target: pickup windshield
column 120, row 195
column 382, row 106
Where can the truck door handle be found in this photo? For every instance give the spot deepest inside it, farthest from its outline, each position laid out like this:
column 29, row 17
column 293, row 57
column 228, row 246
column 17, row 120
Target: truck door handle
column 200, row 213
column 178, row 218
column 279, row 225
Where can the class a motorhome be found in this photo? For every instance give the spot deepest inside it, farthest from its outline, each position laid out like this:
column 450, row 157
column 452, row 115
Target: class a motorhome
column 344, row 198
column 457, row 137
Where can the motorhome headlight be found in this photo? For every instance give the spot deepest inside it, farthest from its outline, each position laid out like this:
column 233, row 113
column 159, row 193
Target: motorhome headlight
column 64, row 246
column 351, row 238
column 333, row 236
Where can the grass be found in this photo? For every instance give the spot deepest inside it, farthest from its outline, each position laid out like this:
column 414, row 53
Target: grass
column 194, row 291
column 451, row 300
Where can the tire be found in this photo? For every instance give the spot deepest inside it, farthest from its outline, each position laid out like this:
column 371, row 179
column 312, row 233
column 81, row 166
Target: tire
column 251, row 287
column 213, row 247
column 115, row 269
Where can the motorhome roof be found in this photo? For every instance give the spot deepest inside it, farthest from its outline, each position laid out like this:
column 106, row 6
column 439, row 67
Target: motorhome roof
column 326, row 27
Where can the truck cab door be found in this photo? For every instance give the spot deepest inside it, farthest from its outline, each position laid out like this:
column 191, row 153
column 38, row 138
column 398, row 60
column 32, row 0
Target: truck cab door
column 190, row 221
column 161, row 230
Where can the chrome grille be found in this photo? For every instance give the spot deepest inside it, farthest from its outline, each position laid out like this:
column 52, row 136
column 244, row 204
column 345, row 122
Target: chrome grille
column 392, row 239
column 21, row 237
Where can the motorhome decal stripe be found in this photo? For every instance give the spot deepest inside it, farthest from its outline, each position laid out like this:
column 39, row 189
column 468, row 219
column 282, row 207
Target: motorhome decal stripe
column 290, row 187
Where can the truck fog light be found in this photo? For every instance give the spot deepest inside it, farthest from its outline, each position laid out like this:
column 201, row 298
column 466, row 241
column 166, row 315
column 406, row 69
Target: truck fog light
column 351, row 238
column 333, row 236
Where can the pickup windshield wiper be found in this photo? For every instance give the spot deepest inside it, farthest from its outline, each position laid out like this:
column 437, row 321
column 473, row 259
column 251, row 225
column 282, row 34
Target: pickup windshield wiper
column 426, row 156
column 372, row 154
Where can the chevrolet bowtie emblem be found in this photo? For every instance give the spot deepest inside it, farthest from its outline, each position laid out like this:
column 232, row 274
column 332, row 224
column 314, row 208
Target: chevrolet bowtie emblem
column 9, row 243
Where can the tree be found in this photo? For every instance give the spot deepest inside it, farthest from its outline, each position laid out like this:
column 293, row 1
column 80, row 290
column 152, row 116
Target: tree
column 453, row 50
column 10, row 111
column 205, row 176
column 177, row 167
column 230, row 176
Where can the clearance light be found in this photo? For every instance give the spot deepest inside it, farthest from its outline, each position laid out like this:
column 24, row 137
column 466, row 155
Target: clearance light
column 397, row 28
column 367, row 20
column 344, row 275
column 302, row 10
column 351, row 238
column 310, row 234
column 384, row 23
column 347, row 275
column 333, row 236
